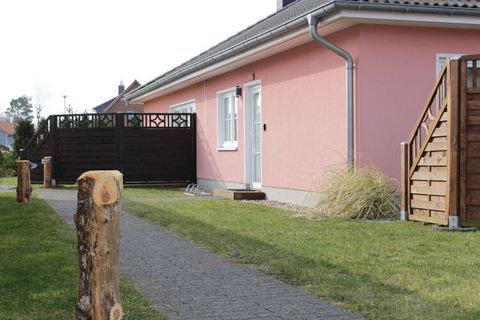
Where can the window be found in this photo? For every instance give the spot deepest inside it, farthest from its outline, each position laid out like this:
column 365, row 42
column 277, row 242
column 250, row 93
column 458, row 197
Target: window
column 441, row 59
column 227, row 125
column 184, row 107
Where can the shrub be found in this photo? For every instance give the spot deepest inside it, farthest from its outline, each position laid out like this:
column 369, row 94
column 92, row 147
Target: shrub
column 7, row 163
column 24, row 132
column 359, row 193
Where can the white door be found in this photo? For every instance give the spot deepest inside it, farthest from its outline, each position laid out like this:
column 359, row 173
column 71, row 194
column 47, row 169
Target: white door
column 256, row 143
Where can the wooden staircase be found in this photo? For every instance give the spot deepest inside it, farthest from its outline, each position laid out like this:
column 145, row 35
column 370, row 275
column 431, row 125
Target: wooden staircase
column 441, row 161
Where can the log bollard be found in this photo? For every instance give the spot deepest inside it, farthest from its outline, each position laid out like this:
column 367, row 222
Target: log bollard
column 47, row 172
column 24, row 187
column 98, row 232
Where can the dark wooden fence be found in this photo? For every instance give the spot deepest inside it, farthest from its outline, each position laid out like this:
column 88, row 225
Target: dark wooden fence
column 145, row 147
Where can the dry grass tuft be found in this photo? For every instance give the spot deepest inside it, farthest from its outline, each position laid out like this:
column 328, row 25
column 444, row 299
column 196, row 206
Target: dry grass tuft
column 359, row 193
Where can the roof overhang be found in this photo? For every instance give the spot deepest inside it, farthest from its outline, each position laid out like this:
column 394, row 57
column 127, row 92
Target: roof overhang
column 337, row 21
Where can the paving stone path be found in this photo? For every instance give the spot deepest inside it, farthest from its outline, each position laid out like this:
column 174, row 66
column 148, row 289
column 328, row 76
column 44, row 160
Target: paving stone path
column 186, row 282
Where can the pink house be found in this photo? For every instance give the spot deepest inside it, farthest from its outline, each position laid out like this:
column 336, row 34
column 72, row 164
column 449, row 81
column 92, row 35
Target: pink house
column 272, row 102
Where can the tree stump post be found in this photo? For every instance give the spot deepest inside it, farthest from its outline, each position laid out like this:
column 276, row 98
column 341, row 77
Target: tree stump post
column 47, row 172
column 24, row 187
column 98, row 233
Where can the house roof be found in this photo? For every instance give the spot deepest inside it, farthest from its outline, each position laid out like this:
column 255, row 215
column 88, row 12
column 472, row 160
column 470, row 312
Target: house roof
column 101, row 107
column 108, row 104
column 292, row 17
column 7, row 127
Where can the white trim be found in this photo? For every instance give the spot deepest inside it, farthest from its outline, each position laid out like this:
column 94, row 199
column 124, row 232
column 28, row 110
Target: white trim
column 438, row 56
column 232, row 144
column 300, row 37
column 228, row 149
column 332, row 23
column 185, row 103
column 247, row 122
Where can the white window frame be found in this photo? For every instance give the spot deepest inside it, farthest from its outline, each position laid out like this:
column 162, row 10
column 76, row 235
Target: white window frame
column 183, row 107
column 227, row 134
column 443, row 56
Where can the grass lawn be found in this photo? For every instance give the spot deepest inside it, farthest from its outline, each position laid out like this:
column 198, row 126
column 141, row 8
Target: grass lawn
column 8, row 181
column 151, row 192
column 393, row 270
column 38, row 266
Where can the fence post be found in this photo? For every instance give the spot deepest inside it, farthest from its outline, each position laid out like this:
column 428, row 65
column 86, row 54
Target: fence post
column 120, row 119
column 54, row 148
column 98, row 233
column 47, row 172
column 193, row 122
column 404, row 181
column 24, row 187
column 453, row 147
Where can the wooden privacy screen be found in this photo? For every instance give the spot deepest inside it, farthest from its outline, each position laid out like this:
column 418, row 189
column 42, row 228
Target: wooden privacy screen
column 470, row 139
column 145, row 147
column 441, row 160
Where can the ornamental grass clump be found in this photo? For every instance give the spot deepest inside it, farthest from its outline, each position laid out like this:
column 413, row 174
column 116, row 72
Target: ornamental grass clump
column 359, row 193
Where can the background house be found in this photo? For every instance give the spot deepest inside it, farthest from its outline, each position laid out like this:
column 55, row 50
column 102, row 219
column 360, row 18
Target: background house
column 118, row 104
column 270, row 101
column 7, row 130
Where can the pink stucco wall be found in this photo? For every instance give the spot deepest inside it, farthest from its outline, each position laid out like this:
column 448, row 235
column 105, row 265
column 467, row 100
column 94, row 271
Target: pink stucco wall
column 303, row 103
column 303, row 106
column 395, row 72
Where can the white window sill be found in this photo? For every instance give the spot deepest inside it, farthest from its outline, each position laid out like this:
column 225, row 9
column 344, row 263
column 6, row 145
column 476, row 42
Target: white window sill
column 227, row 149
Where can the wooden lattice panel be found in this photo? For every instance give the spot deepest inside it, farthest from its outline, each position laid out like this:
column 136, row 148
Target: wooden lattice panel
column 471, row 168
column 428, row 180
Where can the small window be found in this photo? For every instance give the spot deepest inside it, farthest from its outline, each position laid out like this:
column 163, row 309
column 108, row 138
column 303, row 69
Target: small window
column 227, row 126
column 184, row 107
column 441, row 59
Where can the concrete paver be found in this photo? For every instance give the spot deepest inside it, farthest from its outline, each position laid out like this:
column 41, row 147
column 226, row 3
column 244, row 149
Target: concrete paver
column 186, row 282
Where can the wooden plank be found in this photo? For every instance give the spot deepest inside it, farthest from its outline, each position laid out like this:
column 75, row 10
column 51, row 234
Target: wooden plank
column 438, row 206
column 435, row 220
column 404, row 169
column 473, row 133
column 435, row 176
column 473, row 90
column 436, row 146
column 444, row 117
column 431, row 190
column 421, row 183
column 440, row 132
column 473, row 182
column 473, row 105
column 473, row 197
column 453, row 151
column 473, row 165
column 463, row 139
column 433, row 161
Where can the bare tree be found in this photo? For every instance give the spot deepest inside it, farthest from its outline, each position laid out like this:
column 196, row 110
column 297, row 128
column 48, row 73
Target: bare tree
column 41, row 95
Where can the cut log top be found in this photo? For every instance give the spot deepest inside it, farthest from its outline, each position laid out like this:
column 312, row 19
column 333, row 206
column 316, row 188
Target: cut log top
column 106, row 185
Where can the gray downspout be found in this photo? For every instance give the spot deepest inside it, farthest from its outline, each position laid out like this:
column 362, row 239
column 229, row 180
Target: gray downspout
column 313, row 23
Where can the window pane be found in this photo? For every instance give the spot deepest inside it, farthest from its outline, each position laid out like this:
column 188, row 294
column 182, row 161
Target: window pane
column 256, row 107
column 257, row 134
column 257, row 168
